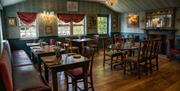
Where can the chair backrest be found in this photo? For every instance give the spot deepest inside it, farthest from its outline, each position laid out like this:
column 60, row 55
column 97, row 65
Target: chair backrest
column 89, row 53
column 117, row 38
column 106, row 41
column 52, row 42
column 96, row 38
column 144, row 50
column 156, row 47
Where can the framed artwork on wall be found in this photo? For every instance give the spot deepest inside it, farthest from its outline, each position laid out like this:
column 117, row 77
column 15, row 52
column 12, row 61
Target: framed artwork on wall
column 48, row 30
column 92, row 22
column 11, row 21
column 133, row 21
column 72, row 6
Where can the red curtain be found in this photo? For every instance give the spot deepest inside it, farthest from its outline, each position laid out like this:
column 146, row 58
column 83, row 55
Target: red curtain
column 71, row 17
column 27, row 17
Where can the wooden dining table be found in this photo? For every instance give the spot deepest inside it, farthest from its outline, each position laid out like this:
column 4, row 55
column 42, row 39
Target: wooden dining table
column 68, row 61
column 82, row 42
column 40, row 51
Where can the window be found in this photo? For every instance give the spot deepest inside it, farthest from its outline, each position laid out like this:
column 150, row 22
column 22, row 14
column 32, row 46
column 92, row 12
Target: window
column 102, row 24
column 71, row 28
column 27, row 31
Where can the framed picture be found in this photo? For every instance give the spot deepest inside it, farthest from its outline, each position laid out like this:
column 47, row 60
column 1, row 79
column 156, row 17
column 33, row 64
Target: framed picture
column 92, row 21
column 72, row 6
column 48, row 29
column 11, row 21
column 133, row 21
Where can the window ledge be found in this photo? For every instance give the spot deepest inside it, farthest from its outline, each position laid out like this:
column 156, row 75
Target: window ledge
column 28, row 38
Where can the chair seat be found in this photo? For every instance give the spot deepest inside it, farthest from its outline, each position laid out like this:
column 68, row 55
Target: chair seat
column 133, row 59
column 77, row 72
column 175, row 51
column 114, row 53
column 73, row 47
column 94, row 45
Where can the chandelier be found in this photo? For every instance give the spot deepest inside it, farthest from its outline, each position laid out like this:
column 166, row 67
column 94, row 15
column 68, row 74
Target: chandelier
column 110, row 2
column 48, row 17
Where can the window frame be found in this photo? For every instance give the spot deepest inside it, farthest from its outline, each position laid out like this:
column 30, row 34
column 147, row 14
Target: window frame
column 22, row 25
column 71, row 25
column 107, row 17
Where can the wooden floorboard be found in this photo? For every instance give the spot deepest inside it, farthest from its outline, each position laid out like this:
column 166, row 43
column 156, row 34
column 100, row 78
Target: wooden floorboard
column 166, row 79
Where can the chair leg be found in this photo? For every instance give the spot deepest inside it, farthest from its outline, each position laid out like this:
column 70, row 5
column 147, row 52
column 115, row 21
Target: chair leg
column 157, row 64
column 74, row 83
column 124, row 66
column 150, row 64
column 138, row 68
column 91, row 78
column 111, row 62
column 67, row 82
column 85, row 83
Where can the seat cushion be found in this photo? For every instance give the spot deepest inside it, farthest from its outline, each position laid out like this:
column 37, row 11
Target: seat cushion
column 26, row 78
column 76, row 73
column 20, row 58
column 175, row 51
column 6, row 75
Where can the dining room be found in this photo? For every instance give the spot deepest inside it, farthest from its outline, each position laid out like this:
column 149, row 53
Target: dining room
column 89, row 45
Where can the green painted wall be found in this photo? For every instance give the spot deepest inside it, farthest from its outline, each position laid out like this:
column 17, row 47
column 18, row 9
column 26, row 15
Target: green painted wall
column 58, row 6
column 124, row 27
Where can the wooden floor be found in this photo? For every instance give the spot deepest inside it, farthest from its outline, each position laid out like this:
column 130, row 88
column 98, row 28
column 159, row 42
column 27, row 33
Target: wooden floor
column 166, row 79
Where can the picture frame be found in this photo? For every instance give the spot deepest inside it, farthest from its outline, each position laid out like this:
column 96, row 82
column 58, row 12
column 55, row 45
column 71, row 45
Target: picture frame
column 72, row 6
column 92, row 22
column 48, row 29
column 11, row 21
column 133, row 20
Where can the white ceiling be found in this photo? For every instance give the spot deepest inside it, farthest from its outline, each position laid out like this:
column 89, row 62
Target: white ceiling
column 123, row 5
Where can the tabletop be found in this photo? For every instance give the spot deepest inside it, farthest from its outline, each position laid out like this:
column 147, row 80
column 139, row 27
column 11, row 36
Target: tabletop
column 50, row 61
column 82, row 40
column 32, row 44
column 44, row 49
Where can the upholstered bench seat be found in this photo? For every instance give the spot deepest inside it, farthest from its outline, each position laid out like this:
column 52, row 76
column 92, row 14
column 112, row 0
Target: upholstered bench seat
column 26, row 78
column 18, row 73
column 20, row 58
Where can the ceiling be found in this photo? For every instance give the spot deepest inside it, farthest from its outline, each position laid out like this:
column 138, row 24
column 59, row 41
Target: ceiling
column 123, row 5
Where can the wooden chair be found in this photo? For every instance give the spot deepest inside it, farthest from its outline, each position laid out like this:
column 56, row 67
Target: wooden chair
column 154, row 55
column 52, row 41
column 70, row 48
column 139, row 62
column 117, row 38
column 77, row 74
column 111, row 57
column 94, row 43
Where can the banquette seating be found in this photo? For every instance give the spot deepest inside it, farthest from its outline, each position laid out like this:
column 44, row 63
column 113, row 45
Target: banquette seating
column 18, row 73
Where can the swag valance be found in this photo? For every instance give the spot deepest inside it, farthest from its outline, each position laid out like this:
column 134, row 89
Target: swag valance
column 27, row 17
column 70, row 17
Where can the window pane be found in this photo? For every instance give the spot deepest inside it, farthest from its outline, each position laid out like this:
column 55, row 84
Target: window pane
column 102, row 25
column 78, row 30
column 27, row 31
column 63, row 30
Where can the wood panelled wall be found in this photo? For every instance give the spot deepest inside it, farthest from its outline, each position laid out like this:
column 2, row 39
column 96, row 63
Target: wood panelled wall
column 58, row 6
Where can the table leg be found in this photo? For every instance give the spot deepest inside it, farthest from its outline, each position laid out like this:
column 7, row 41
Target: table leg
column 82, row 45
column 54, row 81
column 46, row 73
